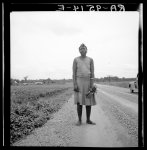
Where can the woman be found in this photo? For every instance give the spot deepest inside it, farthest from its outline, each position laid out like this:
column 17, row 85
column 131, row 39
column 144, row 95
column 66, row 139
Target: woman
column 83, row 75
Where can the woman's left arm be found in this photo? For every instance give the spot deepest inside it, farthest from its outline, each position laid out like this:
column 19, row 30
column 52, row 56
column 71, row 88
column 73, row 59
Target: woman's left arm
column 92, row 72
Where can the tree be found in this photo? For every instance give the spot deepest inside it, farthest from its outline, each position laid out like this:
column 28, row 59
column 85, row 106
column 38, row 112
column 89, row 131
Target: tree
column 25, row 78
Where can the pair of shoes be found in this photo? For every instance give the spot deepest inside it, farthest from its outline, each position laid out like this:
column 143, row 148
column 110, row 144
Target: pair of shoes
column 78, row 123
column 90, row 122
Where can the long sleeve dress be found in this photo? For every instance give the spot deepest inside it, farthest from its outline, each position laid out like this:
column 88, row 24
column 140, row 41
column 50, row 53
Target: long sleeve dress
column 83, row 70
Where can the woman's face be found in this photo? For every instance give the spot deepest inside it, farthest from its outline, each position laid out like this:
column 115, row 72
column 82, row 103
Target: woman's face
column 83, row 51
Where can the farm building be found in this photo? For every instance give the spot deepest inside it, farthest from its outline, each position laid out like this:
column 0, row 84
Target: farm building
column 38, row 83
column 25, row 83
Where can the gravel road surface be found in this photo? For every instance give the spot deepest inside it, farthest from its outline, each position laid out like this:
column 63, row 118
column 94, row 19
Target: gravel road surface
column 115, row 115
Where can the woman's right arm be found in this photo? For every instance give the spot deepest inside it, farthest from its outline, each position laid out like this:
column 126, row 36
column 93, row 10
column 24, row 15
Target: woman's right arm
column 74, row 73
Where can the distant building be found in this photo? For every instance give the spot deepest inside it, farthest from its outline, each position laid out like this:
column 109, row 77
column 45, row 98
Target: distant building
column 48, row 81
column 38, row 83
column 25, row 83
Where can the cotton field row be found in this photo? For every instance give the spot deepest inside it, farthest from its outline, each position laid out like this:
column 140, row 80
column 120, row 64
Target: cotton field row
column 32, row 106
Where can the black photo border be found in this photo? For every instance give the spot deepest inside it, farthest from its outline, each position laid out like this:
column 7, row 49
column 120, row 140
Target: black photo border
column 7, row 8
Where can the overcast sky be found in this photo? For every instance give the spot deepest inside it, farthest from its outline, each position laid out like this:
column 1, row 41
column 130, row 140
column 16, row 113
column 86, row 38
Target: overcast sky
column 44, row 44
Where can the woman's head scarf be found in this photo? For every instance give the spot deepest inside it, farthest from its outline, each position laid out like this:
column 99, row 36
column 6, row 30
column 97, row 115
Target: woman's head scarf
column 82, row 46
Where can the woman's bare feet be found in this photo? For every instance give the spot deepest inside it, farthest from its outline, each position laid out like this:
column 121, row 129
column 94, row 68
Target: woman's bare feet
column 90, row 122
column 79, row 123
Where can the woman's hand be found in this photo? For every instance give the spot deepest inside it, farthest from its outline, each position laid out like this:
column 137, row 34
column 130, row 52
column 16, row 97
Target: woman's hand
column 76, row 89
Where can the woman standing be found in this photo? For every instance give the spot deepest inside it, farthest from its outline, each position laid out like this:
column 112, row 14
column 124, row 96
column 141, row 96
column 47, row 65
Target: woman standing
column 83, row 76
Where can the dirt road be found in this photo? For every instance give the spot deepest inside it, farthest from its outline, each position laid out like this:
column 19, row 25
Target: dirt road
column 115, row 115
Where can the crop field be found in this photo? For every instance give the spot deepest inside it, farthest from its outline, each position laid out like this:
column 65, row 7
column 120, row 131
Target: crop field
column 33, row 105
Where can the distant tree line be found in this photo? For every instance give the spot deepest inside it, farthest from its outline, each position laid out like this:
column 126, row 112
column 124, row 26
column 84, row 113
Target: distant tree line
column 33, row 81
column 113, row 79
column 25, row 80
column 49, row 81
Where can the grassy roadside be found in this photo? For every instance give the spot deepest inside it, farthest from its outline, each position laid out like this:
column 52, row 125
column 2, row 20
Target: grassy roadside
column 33, row 105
